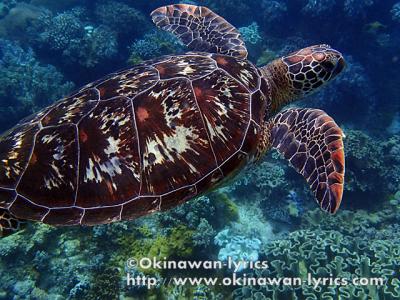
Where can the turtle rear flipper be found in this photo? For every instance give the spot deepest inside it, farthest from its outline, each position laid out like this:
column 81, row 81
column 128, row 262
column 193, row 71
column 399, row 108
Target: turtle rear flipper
column 200, row 29
column 312, row 142
column 8, row 223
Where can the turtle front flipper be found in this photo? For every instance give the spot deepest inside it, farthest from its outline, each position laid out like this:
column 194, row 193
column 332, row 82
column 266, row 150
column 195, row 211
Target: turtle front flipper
column 200, row 29
column 8, row 223
column 313, row 144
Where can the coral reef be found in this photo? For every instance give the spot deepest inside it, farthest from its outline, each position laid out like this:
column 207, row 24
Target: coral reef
column 354, row 83
column 251, row 33
column 26, row 85
column 237, row 248
column 371, row 161
column 5, row 7
column 267, row 178
column 121, row 18
column 318, row 7
column 267, row 212
column 327, row 254
column 153, row 44
column 273, row 10
column 357, row 8
column 66, row 34
column 16, row 23
column 396, row 12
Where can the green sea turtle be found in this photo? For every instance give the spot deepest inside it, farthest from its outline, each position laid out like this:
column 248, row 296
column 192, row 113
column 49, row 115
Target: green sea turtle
column 151, row 137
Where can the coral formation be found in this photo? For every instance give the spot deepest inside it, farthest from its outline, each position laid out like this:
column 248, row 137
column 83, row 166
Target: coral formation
column 396, row 12
column 121, row 18
column 5, row 7
column 357, row 8
column 65, row 33
column 318, row 7
column 25, row 84
column 45, row 43
column 327, row 254
column 153, row 44
column 371, row 161
column 273, row 10
column 237, row 248
column 251, row 33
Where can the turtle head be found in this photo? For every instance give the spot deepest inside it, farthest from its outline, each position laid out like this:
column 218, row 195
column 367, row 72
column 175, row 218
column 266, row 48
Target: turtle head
column 302, row 72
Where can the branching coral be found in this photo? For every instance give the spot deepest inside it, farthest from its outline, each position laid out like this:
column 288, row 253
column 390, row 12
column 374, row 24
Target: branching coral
column 61, row 31
column 251, row 33
column 153, row 44
column 76, row 40
column 204, row 234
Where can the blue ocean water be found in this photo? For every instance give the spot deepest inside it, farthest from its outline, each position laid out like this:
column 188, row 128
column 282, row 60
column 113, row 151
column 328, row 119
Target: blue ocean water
column 48, row 49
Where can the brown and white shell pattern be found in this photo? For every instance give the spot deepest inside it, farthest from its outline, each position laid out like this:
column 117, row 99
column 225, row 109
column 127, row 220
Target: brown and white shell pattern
column 141, row 140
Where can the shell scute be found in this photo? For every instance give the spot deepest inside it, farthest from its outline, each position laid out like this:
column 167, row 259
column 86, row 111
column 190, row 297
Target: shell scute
column 234, row 163
column 15, row 149
column 128, row 83
column 258, row 107
column 224, row 103
column 101, row 215
column 109, row 165
column 189, row 66
column 173, row 137
column 7, row 197
column 64, row 216
column 52, row 167
column 140, row 207
column 25, row 209
column 241, row 70
column 136, row 143
column 210, row 180
column 72, row 109
column 177, row 197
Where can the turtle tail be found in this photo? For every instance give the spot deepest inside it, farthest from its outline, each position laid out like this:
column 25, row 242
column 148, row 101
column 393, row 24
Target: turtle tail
column 8, row 223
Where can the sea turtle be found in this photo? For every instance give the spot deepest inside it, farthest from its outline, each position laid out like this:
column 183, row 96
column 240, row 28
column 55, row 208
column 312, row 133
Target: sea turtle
column 151, row 137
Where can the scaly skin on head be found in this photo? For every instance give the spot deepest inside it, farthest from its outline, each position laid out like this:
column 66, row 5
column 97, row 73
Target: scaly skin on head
column 301, row 73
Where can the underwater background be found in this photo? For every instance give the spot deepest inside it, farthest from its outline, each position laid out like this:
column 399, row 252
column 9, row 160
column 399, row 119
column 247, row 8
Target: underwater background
column 48, row 48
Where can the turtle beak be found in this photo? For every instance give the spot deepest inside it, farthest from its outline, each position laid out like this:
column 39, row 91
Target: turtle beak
column 340, row 65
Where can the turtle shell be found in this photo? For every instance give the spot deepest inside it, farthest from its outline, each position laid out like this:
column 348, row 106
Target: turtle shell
column 140, row 140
